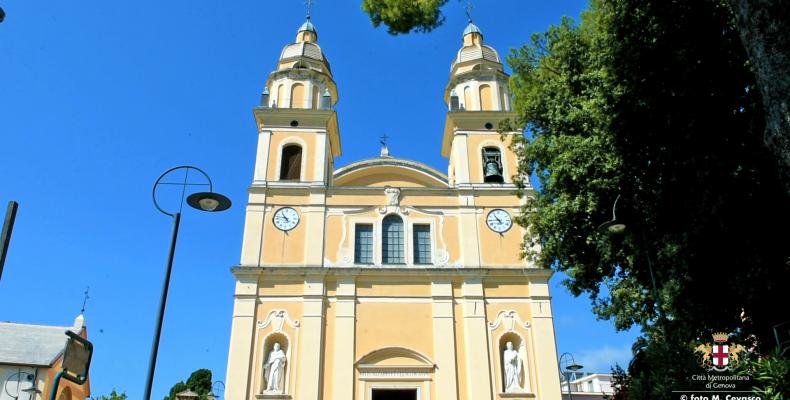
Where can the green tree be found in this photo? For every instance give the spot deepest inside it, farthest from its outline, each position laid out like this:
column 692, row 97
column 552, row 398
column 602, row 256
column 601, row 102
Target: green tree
column 655, row 103
column 199, row 382
column 404, row 16
column 771, row 375
column 112, row 396
column 765, row 35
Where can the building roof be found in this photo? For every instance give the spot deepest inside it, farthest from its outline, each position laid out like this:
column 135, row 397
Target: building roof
column 187, row 394
column 33, row 345
column 471, row 53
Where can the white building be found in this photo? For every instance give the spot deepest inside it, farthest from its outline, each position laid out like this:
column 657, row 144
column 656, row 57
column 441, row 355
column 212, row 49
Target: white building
column 588, row 386
column 31, row 355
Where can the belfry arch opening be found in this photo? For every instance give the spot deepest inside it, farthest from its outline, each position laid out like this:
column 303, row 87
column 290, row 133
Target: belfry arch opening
column 291, row 163
column 492, row 165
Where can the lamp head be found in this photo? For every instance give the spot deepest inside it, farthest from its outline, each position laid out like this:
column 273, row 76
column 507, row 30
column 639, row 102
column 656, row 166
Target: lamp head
column 612, row 228
column 574, row 367
column 208, row 201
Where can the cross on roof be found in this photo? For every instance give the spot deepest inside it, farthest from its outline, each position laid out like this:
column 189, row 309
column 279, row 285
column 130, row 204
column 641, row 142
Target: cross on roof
column 309, row 4
column 85, row 300
column 383, row 139
column 469, row 7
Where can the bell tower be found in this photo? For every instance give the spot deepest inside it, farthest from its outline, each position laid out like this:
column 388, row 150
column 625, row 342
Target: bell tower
column 297, row 126
column 478, row 98
column 298, row 141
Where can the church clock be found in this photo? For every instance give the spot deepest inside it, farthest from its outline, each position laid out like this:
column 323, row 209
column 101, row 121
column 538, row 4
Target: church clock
column 286, row 219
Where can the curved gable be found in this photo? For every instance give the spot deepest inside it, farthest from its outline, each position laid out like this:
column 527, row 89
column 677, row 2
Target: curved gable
column 395, row 356
column 381, row 172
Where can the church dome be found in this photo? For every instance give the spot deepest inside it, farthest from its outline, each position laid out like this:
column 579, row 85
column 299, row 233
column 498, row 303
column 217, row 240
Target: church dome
column 302, row 49
column 482, row 52
column 308, row 26
column 474, row 49
column 472, row 28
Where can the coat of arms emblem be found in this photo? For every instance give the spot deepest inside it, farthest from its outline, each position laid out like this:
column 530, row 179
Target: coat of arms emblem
column 720, row 356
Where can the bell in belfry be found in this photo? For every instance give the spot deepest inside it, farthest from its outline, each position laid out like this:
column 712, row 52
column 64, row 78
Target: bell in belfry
column 493, row 173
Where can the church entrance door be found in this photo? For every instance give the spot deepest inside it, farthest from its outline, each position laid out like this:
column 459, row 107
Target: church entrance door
column 394, row 394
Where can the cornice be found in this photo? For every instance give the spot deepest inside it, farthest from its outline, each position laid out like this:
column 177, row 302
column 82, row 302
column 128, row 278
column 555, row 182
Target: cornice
column 431, row 272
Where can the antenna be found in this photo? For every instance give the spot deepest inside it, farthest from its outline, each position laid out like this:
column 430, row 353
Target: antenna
column 469, row 7
column 85, row 300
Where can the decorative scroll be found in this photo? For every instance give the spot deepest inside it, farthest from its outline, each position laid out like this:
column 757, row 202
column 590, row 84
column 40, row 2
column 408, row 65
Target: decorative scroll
column 509, row 318
column 278, row 318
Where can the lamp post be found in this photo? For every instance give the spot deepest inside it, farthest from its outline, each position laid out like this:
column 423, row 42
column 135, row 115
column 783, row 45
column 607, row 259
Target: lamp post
column 203, row 201
column 616, row 228
column 572, row 366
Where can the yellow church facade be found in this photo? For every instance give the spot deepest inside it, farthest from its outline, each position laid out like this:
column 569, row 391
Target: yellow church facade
column 387, row 279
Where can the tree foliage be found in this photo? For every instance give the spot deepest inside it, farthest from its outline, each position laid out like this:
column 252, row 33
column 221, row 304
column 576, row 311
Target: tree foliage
column 766, row 37
column 404, row 16
column 198, row 382
column 654, row 105
column 112, row 396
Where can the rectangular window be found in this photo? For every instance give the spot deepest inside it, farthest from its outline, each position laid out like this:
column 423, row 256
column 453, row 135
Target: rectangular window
column 392, row 240
column 363, row 244
column 422, row 244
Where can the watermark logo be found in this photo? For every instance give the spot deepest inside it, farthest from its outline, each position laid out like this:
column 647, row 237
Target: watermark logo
column 720, row 356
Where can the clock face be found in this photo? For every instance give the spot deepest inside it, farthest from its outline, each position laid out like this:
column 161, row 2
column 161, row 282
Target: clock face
column 499, row 220
column 286, row 219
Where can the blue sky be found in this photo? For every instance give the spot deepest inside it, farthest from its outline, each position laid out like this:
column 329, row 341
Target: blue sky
column 98, row 98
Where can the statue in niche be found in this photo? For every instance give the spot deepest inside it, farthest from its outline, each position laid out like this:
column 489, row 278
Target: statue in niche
column 512, row 368
column 275, row 370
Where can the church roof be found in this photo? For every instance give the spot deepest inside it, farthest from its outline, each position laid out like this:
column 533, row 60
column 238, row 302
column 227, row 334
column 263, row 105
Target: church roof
column 476, row 51
column 470, row 53
column 34, row 345
column 302, row 49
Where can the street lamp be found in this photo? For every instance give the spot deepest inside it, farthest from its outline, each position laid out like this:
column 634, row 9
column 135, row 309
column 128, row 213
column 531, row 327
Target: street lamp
column 216, row 391
column 572, row 366
column 613, row 227
column 203, row 201
column 616, row 228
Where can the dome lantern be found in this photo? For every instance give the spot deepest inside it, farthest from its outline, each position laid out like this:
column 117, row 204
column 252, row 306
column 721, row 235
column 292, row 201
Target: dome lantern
column 473, row 36
column 307, row 32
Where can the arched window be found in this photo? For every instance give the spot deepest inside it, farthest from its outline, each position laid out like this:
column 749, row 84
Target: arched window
column 392, row 240
column 316, row 97
column 486, row 98
column 468, row 98
column 297, row 95
column 502, row 99
column 492, row 165
column 65, row 394
column 279, row 96
column 291, row 163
